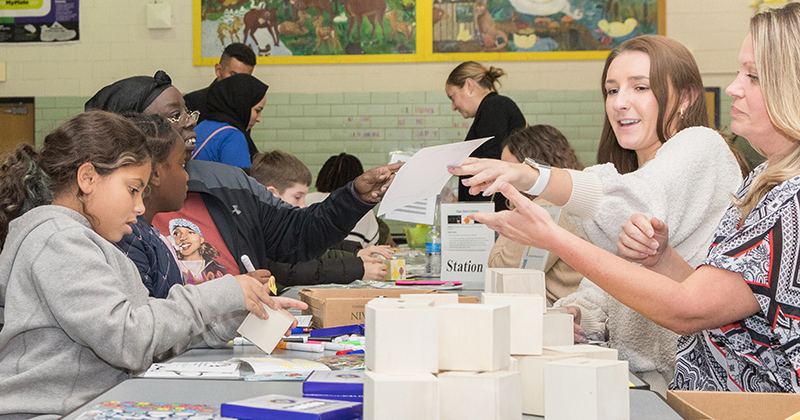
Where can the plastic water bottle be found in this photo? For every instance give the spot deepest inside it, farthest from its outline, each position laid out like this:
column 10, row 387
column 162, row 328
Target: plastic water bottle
column 433, row 252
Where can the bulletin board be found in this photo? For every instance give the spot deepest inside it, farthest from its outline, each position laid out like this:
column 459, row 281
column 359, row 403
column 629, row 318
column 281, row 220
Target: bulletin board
column 373, row 31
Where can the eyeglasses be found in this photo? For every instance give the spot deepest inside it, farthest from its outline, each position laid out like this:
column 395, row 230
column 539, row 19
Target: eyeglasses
column 185, row 117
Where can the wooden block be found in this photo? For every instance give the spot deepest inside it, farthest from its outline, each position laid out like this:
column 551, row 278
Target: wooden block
column 401, row 336
column 532, row 370
column 474, row 337
column 588, row 350
column 557, row 328
column 515, row 280
column 437, row 298
column 491, row 395
column 587, row 389
column 526, row 320
column 401, row 397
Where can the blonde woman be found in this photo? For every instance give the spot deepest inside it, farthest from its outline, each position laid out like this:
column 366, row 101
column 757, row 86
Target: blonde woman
column 738, row 312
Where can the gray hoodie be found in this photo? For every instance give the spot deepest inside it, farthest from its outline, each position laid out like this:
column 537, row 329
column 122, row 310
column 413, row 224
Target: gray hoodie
column 78, row 319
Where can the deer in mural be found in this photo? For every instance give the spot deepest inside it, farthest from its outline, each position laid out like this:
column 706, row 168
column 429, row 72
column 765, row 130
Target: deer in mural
column 261, row 18
column 295, row 28
column 327, row 35
column 320, row 5
column 229, row 29
column 357, row 10
column 398, row 26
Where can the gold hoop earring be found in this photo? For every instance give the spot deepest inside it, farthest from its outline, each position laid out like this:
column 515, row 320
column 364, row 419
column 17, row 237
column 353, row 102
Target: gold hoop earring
column 681, row 112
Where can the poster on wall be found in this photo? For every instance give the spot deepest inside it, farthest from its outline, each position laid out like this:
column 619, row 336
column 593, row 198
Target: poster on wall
column 307, row 31
column 569, row 28
column 39, row 21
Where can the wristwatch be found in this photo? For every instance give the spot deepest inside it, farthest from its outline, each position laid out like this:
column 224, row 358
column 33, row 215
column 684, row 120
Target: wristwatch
column 544, row 176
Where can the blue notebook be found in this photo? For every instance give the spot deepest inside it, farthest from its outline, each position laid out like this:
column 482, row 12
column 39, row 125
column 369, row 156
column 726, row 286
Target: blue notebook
column 291, row 408
column 334, row 382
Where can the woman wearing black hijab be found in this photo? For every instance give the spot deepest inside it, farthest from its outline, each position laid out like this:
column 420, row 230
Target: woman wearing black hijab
column 234, row 107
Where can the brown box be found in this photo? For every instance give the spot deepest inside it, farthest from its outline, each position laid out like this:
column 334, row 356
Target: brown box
column 335, row 307
column 707, row 405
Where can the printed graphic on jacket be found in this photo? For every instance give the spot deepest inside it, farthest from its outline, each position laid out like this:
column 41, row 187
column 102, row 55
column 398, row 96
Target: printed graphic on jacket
column 196, row 257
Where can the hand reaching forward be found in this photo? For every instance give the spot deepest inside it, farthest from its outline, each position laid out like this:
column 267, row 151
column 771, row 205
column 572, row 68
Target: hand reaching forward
column 488, row 174
column 372, row 185
column 527, row 224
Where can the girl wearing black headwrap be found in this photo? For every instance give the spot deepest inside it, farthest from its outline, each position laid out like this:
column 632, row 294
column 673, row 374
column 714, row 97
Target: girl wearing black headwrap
column 234, row 107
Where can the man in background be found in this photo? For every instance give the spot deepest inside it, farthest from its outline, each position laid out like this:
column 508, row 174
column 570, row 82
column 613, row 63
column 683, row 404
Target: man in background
column 237, row 58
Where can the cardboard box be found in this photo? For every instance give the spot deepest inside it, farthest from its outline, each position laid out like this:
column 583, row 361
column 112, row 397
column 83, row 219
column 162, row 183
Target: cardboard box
column 707, row 405
column 335, row 307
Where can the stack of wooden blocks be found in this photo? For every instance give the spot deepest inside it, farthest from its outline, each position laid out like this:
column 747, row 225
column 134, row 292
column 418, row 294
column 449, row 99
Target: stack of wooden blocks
column 429, row 357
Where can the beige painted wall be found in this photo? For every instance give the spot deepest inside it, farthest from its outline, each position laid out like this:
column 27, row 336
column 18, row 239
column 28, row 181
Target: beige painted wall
column 115, row 44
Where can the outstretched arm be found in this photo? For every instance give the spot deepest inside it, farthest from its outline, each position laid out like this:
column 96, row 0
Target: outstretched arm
column 708, row 298
column 488, row 174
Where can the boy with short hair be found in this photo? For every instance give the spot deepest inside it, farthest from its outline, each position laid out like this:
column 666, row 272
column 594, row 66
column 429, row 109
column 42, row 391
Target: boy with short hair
column 288, row 178
column 284, row 175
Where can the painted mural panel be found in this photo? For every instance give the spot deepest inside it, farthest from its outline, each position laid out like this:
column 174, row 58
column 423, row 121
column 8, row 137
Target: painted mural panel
column 460, row 26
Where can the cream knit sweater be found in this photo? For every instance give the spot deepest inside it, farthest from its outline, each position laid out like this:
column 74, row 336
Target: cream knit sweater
column 688, row 185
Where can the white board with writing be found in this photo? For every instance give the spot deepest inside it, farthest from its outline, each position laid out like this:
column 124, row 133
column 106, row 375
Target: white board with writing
column 466, row 244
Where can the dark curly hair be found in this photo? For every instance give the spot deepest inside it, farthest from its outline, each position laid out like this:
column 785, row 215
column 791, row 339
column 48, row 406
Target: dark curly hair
column 544, row 143
column 337, row 172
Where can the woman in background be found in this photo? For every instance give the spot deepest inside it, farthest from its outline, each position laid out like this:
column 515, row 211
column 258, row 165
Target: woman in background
column 545, row 144
column 234, row 107
column 472, row 88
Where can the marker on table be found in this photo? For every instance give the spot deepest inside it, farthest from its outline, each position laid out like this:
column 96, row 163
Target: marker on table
column 316, row 348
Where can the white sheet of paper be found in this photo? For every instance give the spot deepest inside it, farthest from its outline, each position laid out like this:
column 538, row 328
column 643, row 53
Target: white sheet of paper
column 266, row 333
column 425, row 173
column 419, row 212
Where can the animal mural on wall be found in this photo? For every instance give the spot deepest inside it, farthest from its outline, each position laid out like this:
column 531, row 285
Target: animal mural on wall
column 310, row 27
column 373, row 10
column 232, row 30
column 261, row 18
column 539, row 25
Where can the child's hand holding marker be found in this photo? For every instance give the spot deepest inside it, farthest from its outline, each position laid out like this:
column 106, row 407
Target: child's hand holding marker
column 264, row 276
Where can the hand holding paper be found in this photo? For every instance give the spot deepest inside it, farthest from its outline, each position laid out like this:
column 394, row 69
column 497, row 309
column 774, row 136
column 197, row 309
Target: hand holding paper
column 426, row 173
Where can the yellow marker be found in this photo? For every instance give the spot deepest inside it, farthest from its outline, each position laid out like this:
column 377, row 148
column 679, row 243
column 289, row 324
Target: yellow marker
column 272, row 287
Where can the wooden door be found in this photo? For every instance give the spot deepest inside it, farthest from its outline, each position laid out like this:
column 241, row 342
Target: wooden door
column 16, row 123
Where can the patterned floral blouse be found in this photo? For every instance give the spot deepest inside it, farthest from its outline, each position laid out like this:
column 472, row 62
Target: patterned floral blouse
column 760, row 353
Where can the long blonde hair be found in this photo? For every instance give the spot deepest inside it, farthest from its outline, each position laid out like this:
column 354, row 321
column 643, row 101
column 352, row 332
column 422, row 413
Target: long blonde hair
column 776, row 37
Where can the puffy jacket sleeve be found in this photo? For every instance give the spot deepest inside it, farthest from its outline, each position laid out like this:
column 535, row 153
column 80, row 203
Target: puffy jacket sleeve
column 318, row 271
column 295, row 234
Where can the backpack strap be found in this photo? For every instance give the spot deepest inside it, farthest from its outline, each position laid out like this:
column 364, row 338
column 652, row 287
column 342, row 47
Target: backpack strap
column 196, row 151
